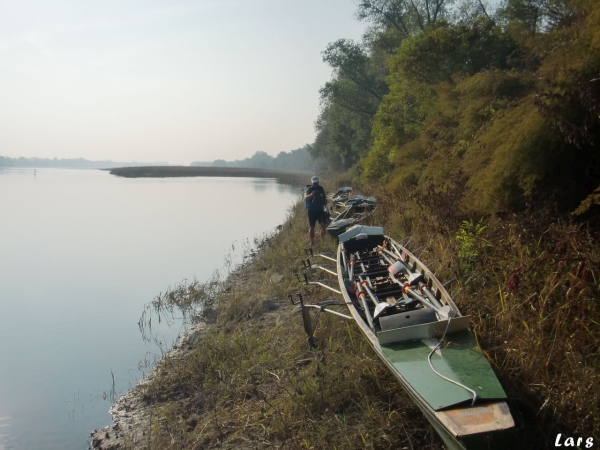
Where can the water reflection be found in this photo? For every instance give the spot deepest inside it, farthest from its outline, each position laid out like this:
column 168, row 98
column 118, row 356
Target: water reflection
column 261, row 185
column 86, row 251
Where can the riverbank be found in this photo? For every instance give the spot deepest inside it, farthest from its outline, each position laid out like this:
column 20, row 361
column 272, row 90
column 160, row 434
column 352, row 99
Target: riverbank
column 249, row 380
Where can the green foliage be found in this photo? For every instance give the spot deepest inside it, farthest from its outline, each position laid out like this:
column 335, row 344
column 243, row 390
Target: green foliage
column 449, row 50
column 299, row 159
column 350, row 61
column 506, row 102
column 348, row 103
column 343, row 136
column 398, row 123
column 539, row 15
column 568, row 100
column 407, row 17
column 469, row 243
column 458, row 104
column 511, row 157
column 483, row 97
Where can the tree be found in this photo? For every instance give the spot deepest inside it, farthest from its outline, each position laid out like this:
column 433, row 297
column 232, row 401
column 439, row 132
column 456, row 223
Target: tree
column 343, row 136
column 407, row 16
column 447, row 50
column 541, row 15
column 348, row 103
column 349, row 60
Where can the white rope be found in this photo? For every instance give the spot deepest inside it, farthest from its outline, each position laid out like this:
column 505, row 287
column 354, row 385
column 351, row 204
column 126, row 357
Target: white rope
column 475, row 396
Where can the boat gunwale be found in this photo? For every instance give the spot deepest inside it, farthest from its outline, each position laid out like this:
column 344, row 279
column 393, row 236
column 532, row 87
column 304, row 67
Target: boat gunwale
column 448, row 435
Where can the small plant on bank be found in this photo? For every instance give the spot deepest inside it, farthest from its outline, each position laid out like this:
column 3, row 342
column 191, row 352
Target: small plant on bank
column 469, row 243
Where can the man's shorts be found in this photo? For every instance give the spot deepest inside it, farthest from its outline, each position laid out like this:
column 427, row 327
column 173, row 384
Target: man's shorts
column 314, row 216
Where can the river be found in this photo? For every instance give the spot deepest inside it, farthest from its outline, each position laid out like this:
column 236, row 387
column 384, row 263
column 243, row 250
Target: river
column 81, row 253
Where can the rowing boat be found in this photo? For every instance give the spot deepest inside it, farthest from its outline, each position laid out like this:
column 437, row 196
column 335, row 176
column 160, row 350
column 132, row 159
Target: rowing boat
column 354, row 210
column 341, row 195
column 417, row 330
column 350, row 216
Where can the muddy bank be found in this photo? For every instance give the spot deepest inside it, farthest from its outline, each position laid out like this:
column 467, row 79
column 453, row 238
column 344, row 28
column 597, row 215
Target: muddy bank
column 132, row 415
column 251, row 381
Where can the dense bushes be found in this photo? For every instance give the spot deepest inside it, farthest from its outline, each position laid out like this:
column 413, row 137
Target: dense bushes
column 509, row 101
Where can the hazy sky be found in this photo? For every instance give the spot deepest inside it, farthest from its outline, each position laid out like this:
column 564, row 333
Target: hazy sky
column 174, row 81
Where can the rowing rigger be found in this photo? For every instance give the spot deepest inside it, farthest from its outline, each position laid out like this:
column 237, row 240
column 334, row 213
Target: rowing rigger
column 418, row 331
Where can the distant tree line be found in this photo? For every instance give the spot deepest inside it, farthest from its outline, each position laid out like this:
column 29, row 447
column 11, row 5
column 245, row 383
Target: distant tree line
column 500, row 103
column 75, row 163
column 299, row 159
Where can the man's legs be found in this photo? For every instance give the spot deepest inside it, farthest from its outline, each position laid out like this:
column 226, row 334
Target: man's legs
column 312, row 220
column 323, row 225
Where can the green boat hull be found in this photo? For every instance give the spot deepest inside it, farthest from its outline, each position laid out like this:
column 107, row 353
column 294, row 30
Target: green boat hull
column 468, row 412
column 459, row 360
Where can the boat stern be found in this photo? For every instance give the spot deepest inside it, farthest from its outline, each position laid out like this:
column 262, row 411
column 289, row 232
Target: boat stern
column 486, row 418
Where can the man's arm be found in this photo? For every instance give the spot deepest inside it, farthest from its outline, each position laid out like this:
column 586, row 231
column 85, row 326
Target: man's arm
column 311, row 195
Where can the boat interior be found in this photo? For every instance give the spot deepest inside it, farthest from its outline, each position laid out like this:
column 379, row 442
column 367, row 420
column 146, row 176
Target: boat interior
column 395, row 296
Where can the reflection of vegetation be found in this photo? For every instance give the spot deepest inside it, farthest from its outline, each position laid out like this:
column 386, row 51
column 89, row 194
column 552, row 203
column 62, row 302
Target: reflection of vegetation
column 186, row 298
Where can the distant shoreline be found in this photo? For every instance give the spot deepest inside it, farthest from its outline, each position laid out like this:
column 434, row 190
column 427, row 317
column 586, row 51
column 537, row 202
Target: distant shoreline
column 284, row 176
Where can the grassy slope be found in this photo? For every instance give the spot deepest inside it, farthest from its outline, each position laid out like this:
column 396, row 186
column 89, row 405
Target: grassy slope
column 250, row 381
column 530, row 283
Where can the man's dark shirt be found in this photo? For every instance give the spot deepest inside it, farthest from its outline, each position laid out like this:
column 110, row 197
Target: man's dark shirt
column 317, row 203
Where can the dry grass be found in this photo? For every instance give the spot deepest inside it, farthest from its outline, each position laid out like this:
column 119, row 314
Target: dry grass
column 530, row 284
column 252, row 382
column 538, row 311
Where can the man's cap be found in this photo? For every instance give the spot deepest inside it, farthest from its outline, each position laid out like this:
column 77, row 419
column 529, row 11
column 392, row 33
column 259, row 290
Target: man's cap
column 315, row 179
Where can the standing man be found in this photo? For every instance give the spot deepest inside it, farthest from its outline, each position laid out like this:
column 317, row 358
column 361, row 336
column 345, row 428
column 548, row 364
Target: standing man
column 315, row 201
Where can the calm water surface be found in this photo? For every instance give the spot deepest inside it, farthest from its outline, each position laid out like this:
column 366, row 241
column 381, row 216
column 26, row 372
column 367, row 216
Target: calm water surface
column 81, row 253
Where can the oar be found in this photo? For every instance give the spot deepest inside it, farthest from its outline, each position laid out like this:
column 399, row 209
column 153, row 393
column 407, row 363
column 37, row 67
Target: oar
column 360, row 293
column 344, row 261
column 351, row 267
column 398, row 265
column 379, row 306
column 413, row 278
column 443, row 311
